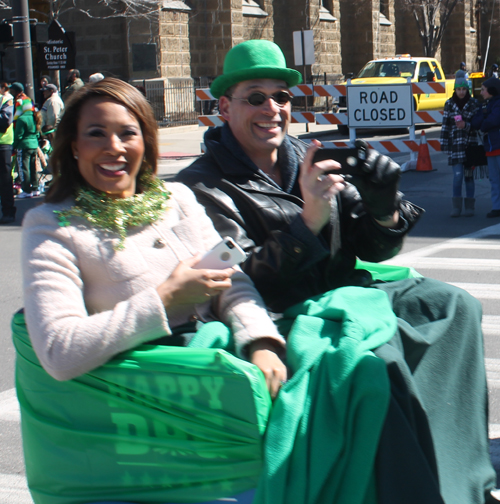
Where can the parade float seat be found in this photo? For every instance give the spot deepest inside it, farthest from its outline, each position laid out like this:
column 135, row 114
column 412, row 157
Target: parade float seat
column 157, row 424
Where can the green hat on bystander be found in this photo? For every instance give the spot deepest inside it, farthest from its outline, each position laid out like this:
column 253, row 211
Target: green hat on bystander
column 254, row 59
column 460, row 82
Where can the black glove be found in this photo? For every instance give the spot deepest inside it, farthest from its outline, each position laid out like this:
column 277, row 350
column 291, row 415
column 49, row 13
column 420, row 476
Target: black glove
column 377, row 183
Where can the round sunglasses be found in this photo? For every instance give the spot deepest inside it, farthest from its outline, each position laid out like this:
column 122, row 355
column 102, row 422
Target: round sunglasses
column 257, row 99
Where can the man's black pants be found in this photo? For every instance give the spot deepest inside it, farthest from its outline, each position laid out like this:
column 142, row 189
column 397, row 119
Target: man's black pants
column 6, row 184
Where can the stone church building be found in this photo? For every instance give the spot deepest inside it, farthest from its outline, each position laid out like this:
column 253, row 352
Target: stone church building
column 188, row 39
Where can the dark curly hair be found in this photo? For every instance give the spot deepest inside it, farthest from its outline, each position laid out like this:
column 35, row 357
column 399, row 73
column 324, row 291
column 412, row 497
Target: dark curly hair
column 67, row 178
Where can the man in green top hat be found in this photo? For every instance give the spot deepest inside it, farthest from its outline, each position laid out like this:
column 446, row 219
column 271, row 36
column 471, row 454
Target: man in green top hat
column 303, row 226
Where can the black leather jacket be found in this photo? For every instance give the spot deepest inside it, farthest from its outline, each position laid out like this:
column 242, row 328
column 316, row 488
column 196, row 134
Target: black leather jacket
column 286, row 261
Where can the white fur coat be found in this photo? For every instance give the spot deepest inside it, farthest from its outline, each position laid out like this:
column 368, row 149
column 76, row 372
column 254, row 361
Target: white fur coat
column 86, row 302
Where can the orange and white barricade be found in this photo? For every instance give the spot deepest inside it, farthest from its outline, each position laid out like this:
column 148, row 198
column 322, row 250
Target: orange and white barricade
column 211, row 120
column 334, row 91
column 388, row 146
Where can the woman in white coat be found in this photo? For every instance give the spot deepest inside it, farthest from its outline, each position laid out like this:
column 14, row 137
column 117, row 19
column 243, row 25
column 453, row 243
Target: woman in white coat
column 108, row 258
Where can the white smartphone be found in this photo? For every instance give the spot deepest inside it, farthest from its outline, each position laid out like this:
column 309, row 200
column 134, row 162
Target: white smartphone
column 225, row 254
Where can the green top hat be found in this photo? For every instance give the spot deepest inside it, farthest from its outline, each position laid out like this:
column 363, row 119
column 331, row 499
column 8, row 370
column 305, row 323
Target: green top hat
column 254, row 59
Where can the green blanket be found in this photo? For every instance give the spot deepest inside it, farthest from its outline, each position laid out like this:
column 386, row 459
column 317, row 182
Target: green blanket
column 323, row 433
column 168, row 424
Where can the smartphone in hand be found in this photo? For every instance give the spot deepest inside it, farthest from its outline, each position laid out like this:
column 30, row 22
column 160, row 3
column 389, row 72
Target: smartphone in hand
column 225, row 254
column 350, row 159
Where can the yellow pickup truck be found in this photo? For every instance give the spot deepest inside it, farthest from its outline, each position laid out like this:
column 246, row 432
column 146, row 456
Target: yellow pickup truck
column 396, row 70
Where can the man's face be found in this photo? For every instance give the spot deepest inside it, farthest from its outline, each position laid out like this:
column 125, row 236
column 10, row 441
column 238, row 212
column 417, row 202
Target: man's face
column 71, row 77
column 259, row 129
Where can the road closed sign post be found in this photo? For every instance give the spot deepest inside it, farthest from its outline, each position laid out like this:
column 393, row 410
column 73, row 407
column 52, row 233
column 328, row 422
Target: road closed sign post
column 387, row 106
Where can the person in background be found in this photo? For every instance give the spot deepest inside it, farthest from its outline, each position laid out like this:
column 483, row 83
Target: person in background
column 96, row 78
column 6, row 140
column 303, row 226
column 44, row 80
column 494, row 71
column 53, row 106
column 463, row 68
column 27, row 125
column 46, row 141
column 456, row 135
column 487, row 120
column 73, row 83
column 96, row 284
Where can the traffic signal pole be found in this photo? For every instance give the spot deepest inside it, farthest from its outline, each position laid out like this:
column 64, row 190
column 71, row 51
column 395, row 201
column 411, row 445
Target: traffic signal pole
column 22, row 46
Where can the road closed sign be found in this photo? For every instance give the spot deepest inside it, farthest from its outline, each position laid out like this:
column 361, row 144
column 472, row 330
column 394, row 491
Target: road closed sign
column 388, row 106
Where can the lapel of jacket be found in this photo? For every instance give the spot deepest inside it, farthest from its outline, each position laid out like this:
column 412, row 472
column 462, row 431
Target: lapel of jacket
column 240, row 170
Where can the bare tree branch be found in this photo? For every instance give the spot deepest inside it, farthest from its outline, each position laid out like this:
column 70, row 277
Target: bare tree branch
column 102, row 9
column 432, row 18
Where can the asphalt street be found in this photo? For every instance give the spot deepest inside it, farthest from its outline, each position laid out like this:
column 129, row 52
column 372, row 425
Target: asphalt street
column 463, row 251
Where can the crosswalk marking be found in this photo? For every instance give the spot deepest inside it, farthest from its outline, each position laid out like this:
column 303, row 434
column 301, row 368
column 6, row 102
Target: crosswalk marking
column 493, row 372
column 450, row 263
column 491, row 325
column 13, row 490
column 479, row 290
column 9, row 407
column 477, row 240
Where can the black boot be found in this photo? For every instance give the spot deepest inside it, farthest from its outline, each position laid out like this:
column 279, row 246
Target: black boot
column 469, row 204
column 457, row 207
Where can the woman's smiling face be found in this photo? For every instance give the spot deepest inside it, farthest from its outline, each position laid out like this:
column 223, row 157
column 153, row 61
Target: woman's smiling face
column 109, row 147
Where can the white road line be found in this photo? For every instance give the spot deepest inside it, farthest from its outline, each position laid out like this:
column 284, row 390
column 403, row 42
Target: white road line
column 13, row 490
column 448, row 263
column 9, row 407
column 467, row 240
column 493, row 372
column 472, row 244
column 494, row 431
column 491, row 325
column 480, row 290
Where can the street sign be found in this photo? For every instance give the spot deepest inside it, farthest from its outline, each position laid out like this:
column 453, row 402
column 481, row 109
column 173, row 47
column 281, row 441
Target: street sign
column 58, row 53
column 307, row 50
column 388, row 106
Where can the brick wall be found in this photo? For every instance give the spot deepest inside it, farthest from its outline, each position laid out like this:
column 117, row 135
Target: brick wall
column 454, row 48
column 407, row 38
column 356, row 29
column 260, row 27
column 326, row 37
column 175, row 47
column 214, row 27
column 384, row 34
column 101, row 44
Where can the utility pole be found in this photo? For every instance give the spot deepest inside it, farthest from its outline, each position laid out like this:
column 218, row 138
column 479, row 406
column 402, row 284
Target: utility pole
column 22, row 45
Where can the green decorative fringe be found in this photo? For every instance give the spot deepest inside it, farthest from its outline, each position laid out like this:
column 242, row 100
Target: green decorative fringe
column 118, row 215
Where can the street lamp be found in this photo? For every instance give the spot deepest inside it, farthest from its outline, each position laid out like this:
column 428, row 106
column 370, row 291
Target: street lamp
column 22, row 46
